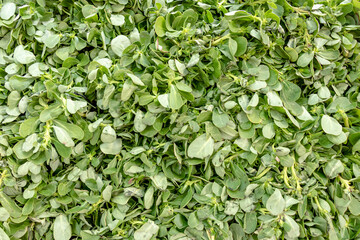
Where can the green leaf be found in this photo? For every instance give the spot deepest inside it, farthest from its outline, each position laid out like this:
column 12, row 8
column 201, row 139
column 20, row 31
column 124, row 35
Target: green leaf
column 89, row 11
column 330, row 125
column 201, row 147
column 11, row 207
column 50, row 113
column 340, row 103
column 160, row 26
column 149, row 197
column 292, row 229
column 220, row 120
column 290, row 91
column 3, row 235
column 128, row 89
column 63, row 136
column 136, row 80
column 292, row 53
column 175, row 99
column 354, row 207
column 147, row 231
column 64, row 151
column 117, row 20
column 62, row 228
column 50, row 39
column 73, row 130
column 183, row 87
column 275, row 203
column 23, row 56
column 268, row 131
column 337, row 139
column 187, row 198
column 160, row 181
column 250, row 222
column 305, row 59
column 28, row 126
column 237, row 231
column 74, row 106
column 333, row 168
column 7, row 10
column 4, row 215
column 263, row 73
column 195, row 58
column 119, row 44
column 112, row 148
column 273, row 99
column 231, row 208
column 181, row 67
column 232, row 46
column 19, row 152
column 20, row 83
column 241, row 46
column 108, row 134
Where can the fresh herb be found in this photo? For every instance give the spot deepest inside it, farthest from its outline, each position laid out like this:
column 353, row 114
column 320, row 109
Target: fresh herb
column 206, row 120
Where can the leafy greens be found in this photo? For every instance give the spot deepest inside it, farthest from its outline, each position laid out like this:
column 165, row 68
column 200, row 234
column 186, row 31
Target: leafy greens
column 179, row 120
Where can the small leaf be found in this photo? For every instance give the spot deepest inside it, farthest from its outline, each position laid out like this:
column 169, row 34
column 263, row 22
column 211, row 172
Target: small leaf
column 220, row 120
column 187, row 198
column 164, row 100
column 330, row 125
column 241, row 46
column 20, row 83
column 62, row 228
column 305, row 59
column 290, row 91
column 273, row 99
column 181, row 68
column 160, row 26
column 231, row 208
column 112, row 148
column 50, row 39
column 108, row 134
column 23, row 56
column 250, row 222
column 233, row 46
column 175, row 99
column 268, row 131
column 63, row 137
column 160, row 181
column 149, row 197
column 136, row 80
column 291, row 227
column 354, row 207
column 19, row 152
column 4, row 215
column 275, row 203
column 117, row 20
column 147, row 231
column 119, row 44
column 28, row 126
column 333, row 168
column 73, row 130
column 193, row 60
column 3, row 235
column 127, row 91
column 9, row 204
column 7, row 10
column 201, row 147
